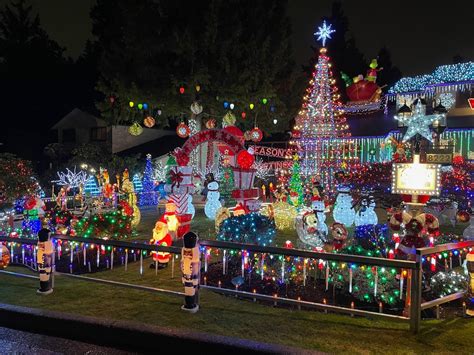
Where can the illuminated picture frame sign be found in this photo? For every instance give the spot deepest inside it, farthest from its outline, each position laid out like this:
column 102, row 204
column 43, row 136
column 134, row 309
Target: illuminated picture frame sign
column 415, row 178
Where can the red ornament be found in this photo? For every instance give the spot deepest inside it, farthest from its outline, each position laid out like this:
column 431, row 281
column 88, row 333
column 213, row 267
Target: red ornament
column 256, row 134
column 112, row 99
column 245, row 159
column 243, row 115
column 181, row 90
column 149, row 122
column 182, row 158
column 183, row 130
column 288, row 244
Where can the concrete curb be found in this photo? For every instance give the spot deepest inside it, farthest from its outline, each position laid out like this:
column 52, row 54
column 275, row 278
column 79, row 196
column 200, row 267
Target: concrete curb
column 128, row 335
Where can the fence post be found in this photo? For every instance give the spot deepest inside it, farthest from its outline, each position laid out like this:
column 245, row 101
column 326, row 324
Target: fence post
column 415, row 295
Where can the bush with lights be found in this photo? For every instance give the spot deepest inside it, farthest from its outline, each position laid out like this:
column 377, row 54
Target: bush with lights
column 370, row 284
column 110, row 225
column 446, row 283
column 252, row 228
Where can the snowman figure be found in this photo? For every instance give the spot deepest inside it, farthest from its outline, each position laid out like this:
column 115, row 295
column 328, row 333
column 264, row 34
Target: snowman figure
column 320, row 210
column 343, row 211
column 372, row 216
column 191, row 210
column 362, row 216
column 212, row 201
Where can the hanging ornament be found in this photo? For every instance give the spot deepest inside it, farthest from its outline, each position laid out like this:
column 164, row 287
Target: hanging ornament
column 149, row 122
column 211, row 123
column 226, row 104
column 251, row 106
column 112, row 99
column 145, row 106
column 131, row 104
column 158, row 112
column 256, row 134
column 198, row 88
column 181, row 90
column 183, row 130
column 231, row 106
column 228, row 120
column 196, row 108
column 264, row 101
column 247, row 135
column 140, row 106
column 243, row 115
column 135, row 129
column 245, row 159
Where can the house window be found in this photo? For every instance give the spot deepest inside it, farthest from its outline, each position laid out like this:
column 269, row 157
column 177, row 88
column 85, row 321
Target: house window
column 69, row 135
column 99, row 134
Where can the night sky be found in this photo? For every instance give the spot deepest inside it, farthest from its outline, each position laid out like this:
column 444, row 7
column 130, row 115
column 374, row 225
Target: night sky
column 420, row 34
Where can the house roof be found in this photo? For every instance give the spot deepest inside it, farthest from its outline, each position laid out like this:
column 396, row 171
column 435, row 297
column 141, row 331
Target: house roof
column 79, row 119
column 156, row 147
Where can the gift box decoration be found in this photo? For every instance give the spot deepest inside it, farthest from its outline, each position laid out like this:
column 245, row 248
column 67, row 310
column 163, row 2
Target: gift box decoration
column 184, row 224
column 243, row 178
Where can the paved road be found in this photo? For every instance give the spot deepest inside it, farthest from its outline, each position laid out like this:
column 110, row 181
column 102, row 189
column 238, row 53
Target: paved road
column 19, row 342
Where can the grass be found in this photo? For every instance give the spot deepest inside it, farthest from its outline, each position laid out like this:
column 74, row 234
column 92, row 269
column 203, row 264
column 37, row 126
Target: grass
column 228, row 316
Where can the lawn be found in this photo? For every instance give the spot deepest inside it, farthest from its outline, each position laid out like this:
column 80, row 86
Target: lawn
column 229, row 316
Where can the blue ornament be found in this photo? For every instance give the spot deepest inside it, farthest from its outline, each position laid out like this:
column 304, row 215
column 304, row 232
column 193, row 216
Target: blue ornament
column 226, row 104
column 145, row 106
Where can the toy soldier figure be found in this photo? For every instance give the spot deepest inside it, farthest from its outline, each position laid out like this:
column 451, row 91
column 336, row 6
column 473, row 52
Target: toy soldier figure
column 45, row 261
column 190, row 267
column 470, row 291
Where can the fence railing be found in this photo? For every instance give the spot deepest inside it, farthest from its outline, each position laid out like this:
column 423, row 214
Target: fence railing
column 23, row 251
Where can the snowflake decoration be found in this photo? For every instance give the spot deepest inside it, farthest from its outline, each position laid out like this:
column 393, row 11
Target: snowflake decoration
column 160, row 172
column 447, row 100
column 72, row 179
column 324, row 33
column 263, row 170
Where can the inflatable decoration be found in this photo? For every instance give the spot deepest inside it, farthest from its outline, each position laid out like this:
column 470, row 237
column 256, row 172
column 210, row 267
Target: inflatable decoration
column 364, row 94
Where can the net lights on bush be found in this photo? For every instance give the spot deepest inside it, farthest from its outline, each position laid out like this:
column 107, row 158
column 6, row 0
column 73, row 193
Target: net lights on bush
column 446, row 283
column 251, row 228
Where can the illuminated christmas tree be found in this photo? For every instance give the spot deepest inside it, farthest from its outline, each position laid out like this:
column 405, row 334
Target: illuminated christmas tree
column 91, row 188
column 321, row 123
column 148, row 196
column 296, row 185
column 137, row 183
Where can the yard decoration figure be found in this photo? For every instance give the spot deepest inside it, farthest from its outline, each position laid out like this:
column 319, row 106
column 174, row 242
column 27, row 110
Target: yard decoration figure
column 190, row 267
column 161, row 237
column 45, row 262
column 470, row 291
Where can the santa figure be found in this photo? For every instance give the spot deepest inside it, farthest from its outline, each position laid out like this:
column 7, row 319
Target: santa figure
column 170, row 219
column 163, row 238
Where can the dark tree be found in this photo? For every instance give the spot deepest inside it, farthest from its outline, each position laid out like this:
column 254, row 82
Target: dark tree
column 458, row 59
column 235, row 51
column 390, row 74
column 35, row 86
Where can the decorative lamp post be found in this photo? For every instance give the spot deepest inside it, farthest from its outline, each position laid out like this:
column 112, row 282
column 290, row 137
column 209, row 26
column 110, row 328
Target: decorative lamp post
column 440, row 124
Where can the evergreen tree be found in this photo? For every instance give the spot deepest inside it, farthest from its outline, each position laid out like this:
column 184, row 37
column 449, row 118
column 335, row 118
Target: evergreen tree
column 319, row 124
column 148, row 197
column 227, row 184
column 390, row 74
column 238, row 51
column 296, row 184
column 91, row 188
column 137, row 183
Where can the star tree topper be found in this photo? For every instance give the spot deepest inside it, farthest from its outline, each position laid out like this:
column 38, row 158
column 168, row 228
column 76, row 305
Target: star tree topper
column 324, row 33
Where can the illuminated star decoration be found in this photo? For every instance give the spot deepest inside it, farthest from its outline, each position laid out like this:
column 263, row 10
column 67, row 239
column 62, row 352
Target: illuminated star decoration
column 324, row 33
column 418, row 123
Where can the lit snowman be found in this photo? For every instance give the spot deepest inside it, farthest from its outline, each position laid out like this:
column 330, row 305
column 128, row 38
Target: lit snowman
column 212, row 201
